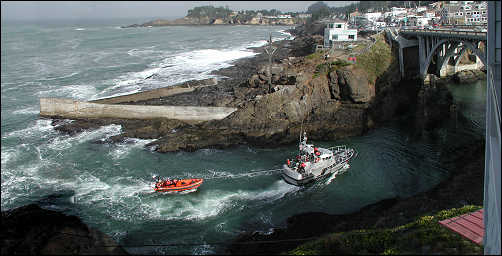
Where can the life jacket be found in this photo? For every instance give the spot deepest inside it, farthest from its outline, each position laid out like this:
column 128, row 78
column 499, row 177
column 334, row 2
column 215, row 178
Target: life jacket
column 303, row 165
column 288, row 162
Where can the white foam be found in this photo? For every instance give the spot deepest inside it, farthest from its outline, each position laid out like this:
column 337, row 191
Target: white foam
column 27, row 111
column 7, row 155
column 259, row 43
column 80, row 29
column 59, row 77
column 66, row 141
column 40, row 128
column 74, row 91
column 121, row 150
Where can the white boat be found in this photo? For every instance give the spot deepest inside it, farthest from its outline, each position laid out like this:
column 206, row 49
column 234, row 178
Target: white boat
column 312, row 163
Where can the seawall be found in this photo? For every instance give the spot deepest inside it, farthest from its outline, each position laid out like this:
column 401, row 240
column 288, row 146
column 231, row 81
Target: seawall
column 69, row 108
column 185, row 87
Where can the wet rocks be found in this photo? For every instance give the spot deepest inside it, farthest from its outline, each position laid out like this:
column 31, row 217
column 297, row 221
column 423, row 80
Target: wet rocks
column 469, row 76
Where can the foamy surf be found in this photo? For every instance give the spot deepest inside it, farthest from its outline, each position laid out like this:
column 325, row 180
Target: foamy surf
column 66, row 141
column 122, row 150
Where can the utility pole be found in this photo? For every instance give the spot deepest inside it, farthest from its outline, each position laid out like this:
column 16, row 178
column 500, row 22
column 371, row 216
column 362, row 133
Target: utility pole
column 270, row 51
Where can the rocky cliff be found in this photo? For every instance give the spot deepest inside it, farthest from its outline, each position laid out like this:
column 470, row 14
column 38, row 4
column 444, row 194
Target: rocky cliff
column 33, row 230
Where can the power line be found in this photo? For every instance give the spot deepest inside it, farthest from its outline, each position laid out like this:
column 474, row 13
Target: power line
column 197, row 244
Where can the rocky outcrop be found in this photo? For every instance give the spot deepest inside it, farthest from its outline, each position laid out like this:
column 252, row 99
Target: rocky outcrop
column 350, row 84
column 33, row 230
column 469, row 76
column 205, row 20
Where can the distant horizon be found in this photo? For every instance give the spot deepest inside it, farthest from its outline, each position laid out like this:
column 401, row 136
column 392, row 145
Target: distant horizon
column 129, row 10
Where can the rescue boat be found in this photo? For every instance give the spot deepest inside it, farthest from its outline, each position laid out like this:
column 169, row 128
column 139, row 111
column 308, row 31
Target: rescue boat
column 178, row 186
column 313, row 163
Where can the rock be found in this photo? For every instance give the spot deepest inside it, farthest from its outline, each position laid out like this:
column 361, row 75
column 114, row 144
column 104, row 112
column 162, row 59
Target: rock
column 333, row 85
column 32, row 230
column 254, row 81
column 468, row 76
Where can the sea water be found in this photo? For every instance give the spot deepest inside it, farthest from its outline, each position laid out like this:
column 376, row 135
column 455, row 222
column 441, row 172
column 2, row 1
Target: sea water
column 109, row 185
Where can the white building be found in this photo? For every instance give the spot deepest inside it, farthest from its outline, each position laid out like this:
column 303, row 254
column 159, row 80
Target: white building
column 284, row 16
column 421, row 9
column 397, row 11
column 372, row 16
column 304, row 15
column 337, row 32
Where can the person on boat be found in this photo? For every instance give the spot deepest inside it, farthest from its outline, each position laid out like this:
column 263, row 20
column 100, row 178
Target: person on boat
column 301, row 169
column 317, row 152
column 288, row 162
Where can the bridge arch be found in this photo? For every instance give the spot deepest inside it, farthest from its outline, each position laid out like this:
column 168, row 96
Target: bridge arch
column 466, row 44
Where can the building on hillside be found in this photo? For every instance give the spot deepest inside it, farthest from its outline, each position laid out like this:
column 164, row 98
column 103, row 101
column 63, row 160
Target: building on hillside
column 304, row 15
column 338, row 32
column 397, row 11
column 372, row 16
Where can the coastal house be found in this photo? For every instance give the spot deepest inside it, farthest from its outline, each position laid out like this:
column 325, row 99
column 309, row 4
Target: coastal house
column 338, row 32
column 373, row 16
column 304, row 15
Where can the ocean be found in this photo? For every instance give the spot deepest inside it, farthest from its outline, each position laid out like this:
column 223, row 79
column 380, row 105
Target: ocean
column 109, row 185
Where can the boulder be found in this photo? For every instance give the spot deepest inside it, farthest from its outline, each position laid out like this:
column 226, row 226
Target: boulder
column 32, row 230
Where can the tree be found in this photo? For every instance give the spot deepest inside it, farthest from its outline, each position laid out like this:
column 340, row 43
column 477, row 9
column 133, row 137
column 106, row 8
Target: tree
column 318, row 10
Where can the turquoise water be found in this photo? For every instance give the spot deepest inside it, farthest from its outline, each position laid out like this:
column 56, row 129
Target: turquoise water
column 108, row 185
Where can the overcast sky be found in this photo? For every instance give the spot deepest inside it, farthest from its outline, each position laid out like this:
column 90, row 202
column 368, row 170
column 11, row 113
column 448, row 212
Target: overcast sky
column 33, row 10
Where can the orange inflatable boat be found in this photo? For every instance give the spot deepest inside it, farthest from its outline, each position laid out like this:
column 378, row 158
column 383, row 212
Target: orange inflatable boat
column 177, row 185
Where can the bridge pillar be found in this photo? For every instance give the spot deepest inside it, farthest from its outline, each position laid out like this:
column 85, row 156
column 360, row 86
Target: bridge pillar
column 401, row 61
column 421, row 56
column 459, row 58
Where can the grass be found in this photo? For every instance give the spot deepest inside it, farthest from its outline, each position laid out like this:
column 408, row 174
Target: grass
column 315, row 55
column 325, row 68
column 377, row 60
column 422, row 236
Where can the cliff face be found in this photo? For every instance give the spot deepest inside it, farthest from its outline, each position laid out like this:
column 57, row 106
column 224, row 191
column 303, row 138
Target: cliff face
column 327, row 99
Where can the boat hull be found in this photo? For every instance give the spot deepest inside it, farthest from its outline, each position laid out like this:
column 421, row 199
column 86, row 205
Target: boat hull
column 182, row 185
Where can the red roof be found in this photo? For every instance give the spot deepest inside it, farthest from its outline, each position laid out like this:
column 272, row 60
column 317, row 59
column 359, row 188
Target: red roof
column 469, row 225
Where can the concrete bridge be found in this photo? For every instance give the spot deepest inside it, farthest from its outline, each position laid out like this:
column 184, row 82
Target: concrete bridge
column 439, row 47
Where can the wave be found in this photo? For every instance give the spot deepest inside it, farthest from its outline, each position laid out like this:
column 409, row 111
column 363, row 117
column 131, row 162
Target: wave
column 66, row 141
column 74, row 91
column 122, row 150
column 59, row 77
column 178, row 68
column 38, row 129
column 27, row 111
column 80, row 29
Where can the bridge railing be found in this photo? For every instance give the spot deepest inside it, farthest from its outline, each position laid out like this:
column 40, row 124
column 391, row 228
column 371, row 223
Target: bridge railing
column 455, row 32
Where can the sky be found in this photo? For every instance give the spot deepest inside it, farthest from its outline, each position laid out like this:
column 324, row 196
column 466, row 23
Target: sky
column 42, row 10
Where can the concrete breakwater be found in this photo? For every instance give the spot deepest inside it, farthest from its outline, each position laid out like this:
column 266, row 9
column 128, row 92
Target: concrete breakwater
column 185, row 87
column 69, row 108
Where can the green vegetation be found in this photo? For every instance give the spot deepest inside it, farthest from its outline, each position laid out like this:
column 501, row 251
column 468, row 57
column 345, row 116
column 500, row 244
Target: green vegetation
column 325, row 68
column 376, row 60
column 423, row 236
column 209, row 11
column 315, row 55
